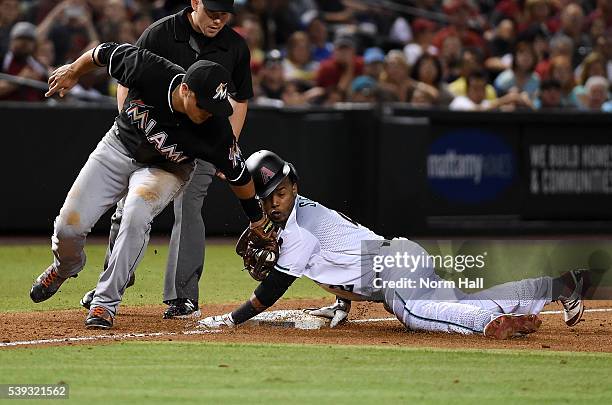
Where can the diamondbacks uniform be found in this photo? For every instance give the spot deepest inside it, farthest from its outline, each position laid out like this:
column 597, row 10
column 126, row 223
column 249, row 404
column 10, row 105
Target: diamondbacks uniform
column 337, row 253
column 325, row 246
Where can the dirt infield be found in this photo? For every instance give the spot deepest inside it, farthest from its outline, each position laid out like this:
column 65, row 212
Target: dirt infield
column 593, row 334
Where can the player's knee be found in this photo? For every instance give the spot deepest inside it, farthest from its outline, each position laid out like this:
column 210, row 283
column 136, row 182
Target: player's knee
column 69, row 225
column 136, row 219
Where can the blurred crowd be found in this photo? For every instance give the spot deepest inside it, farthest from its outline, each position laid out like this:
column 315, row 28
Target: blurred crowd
column 457, row 54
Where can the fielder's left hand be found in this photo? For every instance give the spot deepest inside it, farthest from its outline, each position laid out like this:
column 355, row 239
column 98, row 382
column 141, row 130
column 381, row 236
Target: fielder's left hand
column 338, row 312
column 217, row 321
column 62, row 80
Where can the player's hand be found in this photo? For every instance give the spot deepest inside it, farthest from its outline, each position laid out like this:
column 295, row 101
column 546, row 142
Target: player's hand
column 62, row 80
column 338, row 312
column 217, row 321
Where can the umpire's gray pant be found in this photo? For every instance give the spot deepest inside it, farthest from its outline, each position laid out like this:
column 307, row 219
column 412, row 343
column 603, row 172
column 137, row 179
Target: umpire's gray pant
column 188, row 241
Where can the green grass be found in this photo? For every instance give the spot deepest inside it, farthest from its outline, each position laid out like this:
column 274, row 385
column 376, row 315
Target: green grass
column 223, row 280
column 162, row 372
column 200, row 372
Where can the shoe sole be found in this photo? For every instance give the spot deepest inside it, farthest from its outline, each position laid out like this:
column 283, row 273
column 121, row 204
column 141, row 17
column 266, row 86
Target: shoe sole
column 194, row 314
column 508, row 326
column 576, row 318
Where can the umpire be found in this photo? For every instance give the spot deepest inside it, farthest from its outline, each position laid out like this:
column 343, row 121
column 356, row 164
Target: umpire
column 198, row 32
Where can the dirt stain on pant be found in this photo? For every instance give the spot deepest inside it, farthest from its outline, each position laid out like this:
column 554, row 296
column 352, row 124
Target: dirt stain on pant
column 73, row 218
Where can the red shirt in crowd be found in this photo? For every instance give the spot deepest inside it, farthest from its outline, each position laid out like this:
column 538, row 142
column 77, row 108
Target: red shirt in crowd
column 330, row 71
column 12, row 66
column 469, row 38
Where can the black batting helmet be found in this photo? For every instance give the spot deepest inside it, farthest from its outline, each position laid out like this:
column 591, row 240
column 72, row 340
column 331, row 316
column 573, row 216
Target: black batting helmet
column 268, row 170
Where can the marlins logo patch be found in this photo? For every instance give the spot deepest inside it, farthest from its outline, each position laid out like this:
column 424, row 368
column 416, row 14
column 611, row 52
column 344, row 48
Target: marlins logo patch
column 221, row 92
column 266, row 174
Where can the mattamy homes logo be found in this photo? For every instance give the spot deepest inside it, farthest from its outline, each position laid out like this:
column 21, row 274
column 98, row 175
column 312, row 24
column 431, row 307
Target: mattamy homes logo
column 470, row 166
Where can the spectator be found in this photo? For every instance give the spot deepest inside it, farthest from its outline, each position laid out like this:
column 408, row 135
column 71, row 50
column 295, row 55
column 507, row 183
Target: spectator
column 500, row 46
column 298, row 64
column 421, row 98
column 277, row 23
column 521, row 76
column 251, row 31
column 45, row 54
column 603, row 12
column 604, row 46
column 317, row 33
column 10, row 12
column 424, row 31
column 272, row 83
column 373, row 59
column 597, row 94
column 593, row 65
column 112, row 23
column 141, row 22
column 19, row 61
column 572, row 24
column 537, row 14
column 395, row 78
column 471, row 61
column 561, row 70
column 363, row 90
column 70, row 27
column 428, row 71
column 549, row 96
column 338, row 11
column 560, row 45
column 458, row 13
column 340, row 70
column 450, row 57
column 475, row 99
column 297, row 94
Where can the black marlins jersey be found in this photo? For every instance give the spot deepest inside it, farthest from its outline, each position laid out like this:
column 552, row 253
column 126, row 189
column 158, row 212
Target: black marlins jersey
column 148, row 125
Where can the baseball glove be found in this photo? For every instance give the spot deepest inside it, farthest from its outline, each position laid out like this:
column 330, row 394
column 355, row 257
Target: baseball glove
column 259, row 248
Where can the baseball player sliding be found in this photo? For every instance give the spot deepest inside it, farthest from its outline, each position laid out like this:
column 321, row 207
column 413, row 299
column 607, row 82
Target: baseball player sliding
column 326, row 246
column 170, row 117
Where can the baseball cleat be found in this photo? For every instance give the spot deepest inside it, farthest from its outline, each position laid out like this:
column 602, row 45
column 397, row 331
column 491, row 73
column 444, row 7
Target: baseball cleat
column 89, row 295
column 182, row 308
column 511, row 325
column 99, row 318
column 573, row 307
column 46, row 285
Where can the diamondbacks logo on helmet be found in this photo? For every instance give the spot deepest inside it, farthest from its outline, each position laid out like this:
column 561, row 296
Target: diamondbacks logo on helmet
column 266, row 174
column 221, row 92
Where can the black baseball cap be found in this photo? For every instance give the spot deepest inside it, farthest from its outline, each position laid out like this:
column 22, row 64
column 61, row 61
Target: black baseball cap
column 211, row 84
column 226, row 6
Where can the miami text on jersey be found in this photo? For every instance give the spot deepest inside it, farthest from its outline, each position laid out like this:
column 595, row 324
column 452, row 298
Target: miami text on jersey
column 139, row 115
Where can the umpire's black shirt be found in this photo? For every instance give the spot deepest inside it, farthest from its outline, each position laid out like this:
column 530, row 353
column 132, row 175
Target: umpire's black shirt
column 174, row 38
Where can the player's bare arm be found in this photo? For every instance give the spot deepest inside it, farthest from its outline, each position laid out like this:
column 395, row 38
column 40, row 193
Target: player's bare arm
column 66, row 77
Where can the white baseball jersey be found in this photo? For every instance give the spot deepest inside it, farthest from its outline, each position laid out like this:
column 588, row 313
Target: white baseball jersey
column 326, row 246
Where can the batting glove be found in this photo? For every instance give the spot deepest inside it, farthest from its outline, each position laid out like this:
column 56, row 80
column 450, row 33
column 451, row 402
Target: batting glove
column 217, row 321
column 338, row 312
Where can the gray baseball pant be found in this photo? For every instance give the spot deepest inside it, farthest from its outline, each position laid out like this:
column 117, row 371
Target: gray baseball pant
column 109, row 175
column 450, row 309
column 188, row 240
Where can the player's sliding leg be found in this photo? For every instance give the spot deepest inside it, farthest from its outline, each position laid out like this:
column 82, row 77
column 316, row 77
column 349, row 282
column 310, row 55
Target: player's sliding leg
column 150, row 190
column 99, row 185
column 528, row 296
